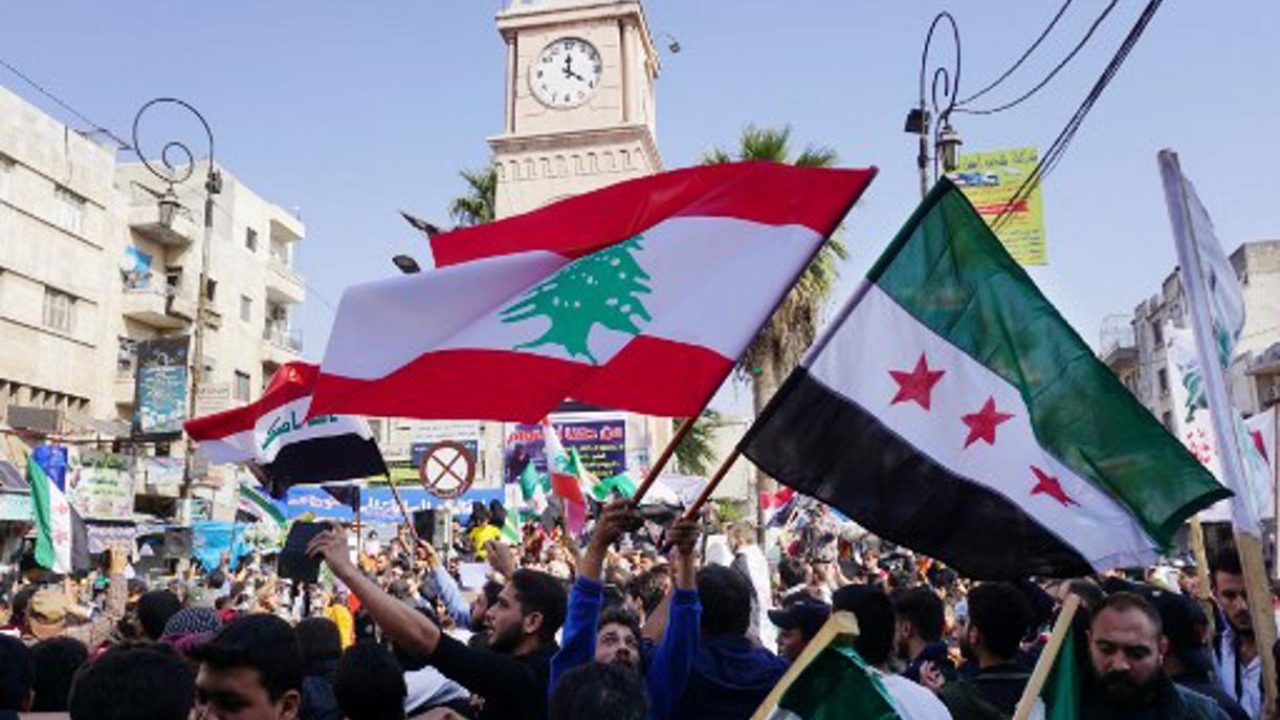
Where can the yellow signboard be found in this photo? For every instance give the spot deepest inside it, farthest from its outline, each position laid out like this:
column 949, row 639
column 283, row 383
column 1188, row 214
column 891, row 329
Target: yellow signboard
column 990, row 180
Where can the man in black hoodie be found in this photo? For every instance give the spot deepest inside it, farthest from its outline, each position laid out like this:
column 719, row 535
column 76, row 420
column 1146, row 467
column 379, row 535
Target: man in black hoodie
column 921, row 617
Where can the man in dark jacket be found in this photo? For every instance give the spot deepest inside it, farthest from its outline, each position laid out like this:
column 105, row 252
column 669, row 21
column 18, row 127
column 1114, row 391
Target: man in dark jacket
column 921, row 617
column 998, row 618
column 730, row 676
column 1127, row 680
column 321, row 646
column 1188, row 661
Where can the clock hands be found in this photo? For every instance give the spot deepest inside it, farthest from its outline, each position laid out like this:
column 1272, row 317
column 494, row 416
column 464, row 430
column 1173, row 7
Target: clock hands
column 568, row 70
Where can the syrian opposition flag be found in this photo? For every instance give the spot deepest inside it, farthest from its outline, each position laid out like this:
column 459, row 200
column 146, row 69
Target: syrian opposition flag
column 564, row 482
column 640, row 296
column 283, row 446
column 61, row 538
column 534, row 487
column 949, row 408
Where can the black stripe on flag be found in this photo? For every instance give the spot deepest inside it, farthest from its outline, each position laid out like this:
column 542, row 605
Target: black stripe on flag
column 826, row 446
column 320, row 460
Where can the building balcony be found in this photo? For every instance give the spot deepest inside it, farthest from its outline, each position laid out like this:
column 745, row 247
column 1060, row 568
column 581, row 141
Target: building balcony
column 152, row 307
column 281, row 344
column 123, row 391
column 283, row 284
column 144, row 218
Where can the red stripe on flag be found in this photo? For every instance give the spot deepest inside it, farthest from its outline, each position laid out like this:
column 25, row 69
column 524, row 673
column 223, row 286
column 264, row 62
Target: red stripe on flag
column 763, row 192
column 292, row 381
column 519, row 386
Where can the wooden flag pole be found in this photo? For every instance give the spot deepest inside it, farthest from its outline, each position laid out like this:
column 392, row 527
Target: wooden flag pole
column 712, row 483
column 1204, row 595
column 413, row 532
column 841, row 622
column 1264, row 623
column 667, row 452
column 1047, row 657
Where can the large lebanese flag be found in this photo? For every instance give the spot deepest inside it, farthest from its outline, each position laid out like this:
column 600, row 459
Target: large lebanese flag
column 949, row 408
column 285, row 443
column 640, row 296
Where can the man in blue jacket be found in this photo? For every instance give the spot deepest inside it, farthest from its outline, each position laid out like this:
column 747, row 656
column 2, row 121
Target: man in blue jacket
column 613, row 637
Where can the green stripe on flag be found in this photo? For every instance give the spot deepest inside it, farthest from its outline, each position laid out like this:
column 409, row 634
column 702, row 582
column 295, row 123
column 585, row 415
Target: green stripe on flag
column 947, row 269
column 837, row 685
column 1061, row 693
column 41, row 504
column 266, row 506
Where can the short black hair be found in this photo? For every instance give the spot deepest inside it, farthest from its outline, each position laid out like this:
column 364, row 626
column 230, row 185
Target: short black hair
column 154, row 610
column 17, row 673
column 541, row 593
column 725, row 594
column 618, row 615
column 1225, row 561
column 924, row 609
column 21, row 601
column 597, row 690
column 1123, row 601
column 133, row 682
column 369, row 683
column 318, row 639
column 792, row 571
column 1001, row 613
column 261, row 642
column 648, row 588
column 56, row 662
column 874, row 612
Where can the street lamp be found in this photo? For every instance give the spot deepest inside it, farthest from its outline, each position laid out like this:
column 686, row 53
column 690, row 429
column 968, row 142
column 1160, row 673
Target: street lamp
column 177, row 165
column 944, row 87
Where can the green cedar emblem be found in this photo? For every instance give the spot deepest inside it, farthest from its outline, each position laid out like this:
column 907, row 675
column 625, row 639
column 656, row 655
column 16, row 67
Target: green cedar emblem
column 603, row 287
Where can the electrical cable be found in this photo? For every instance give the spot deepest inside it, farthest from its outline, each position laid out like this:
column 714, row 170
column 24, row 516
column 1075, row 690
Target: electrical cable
column 1061, row 11
column 93, row 126
column 1052, row 73
column 1054, row 154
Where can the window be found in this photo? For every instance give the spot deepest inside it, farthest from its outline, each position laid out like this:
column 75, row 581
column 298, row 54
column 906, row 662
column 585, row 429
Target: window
column 127, row 356
column 242, row 386
column 1157, row 334
column 211, row 290
column 69, row 213
column 251, row 239
column 6, row 171
column 246, row 308
column 59, row 310
column 1163, row 378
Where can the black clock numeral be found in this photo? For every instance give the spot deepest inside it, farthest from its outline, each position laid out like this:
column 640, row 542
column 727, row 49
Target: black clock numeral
column 581, row 94
column 539, row 73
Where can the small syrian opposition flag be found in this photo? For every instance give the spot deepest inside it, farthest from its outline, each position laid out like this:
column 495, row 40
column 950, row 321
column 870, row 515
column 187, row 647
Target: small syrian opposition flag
column 534, row 487
column 256, row 504
column 640, row 296
column 838, row 685
column 61, row 538
column 564, row 483
column 949, row 408
column 283, row 446
column 620, row 485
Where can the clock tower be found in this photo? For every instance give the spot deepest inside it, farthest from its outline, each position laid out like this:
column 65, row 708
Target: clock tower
column 579, row 100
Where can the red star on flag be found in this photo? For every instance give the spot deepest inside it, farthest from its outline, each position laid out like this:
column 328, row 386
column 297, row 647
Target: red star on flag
column 982, row 424
column 1050, row 486
column 917, row 384
column 1259, row 443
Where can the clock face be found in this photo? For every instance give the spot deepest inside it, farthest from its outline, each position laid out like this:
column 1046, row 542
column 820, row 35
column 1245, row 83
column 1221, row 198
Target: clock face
column 566, row 73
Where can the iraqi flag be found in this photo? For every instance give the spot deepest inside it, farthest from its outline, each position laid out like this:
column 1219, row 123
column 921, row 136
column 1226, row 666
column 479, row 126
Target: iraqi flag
column 61, row 538
column 281, row 444
column 640, row 296
column 949, row 408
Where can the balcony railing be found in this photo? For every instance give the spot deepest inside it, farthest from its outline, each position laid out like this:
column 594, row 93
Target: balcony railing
column 284, row 337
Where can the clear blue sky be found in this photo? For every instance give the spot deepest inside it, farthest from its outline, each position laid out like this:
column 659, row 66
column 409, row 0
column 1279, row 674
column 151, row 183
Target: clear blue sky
column 353, row 110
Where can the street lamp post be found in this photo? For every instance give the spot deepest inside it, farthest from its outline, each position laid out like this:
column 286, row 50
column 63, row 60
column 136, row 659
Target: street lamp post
column 177, row 165
column 943, row 89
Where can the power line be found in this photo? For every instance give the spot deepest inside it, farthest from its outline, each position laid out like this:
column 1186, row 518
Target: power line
column 1052, row 73
column 93, row 126
column 1061, row 11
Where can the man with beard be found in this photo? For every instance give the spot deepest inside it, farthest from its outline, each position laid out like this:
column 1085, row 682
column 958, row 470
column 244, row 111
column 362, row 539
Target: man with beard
column 1235, row 650
column 1126, row 652
column 921, row 617
column 511, row 674
column 998, row 619
column 613, row 636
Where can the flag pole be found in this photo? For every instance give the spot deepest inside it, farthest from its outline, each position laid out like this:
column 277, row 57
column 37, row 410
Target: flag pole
column 841, row 622
column 712, row 483
column 1047, row 658
column 413, row 532
column 360, row 528
column 1244, row 516
column 681, row 433
column 1203, row 594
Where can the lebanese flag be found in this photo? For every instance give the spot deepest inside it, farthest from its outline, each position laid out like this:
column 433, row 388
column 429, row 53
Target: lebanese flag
column 640, row 296
column 564, row 483
column 285, row 443
column 949, row 408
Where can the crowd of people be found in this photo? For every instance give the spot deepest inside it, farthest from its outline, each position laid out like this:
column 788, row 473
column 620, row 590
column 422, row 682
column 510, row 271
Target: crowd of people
column 639, row 621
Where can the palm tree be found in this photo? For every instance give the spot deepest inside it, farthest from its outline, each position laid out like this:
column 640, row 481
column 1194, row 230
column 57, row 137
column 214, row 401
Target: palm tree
column 478, row 205
column 696, row 452
column 793, row 327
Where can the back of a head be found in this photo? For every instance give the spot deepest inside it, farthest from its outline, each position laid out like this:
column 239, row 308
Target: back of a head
column 56, row 662
column 318, row 639
column 793, row 571
column 594, row 691
column 742, row 533
column 154, row 610
column 725, row 595
column 17, row 673
column 650, row 587
column 924, row 609
column 137, row 682
column 369, row 684
column 874, row 612
column 541, row 593
column 259, row 642
column 1000, row 612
